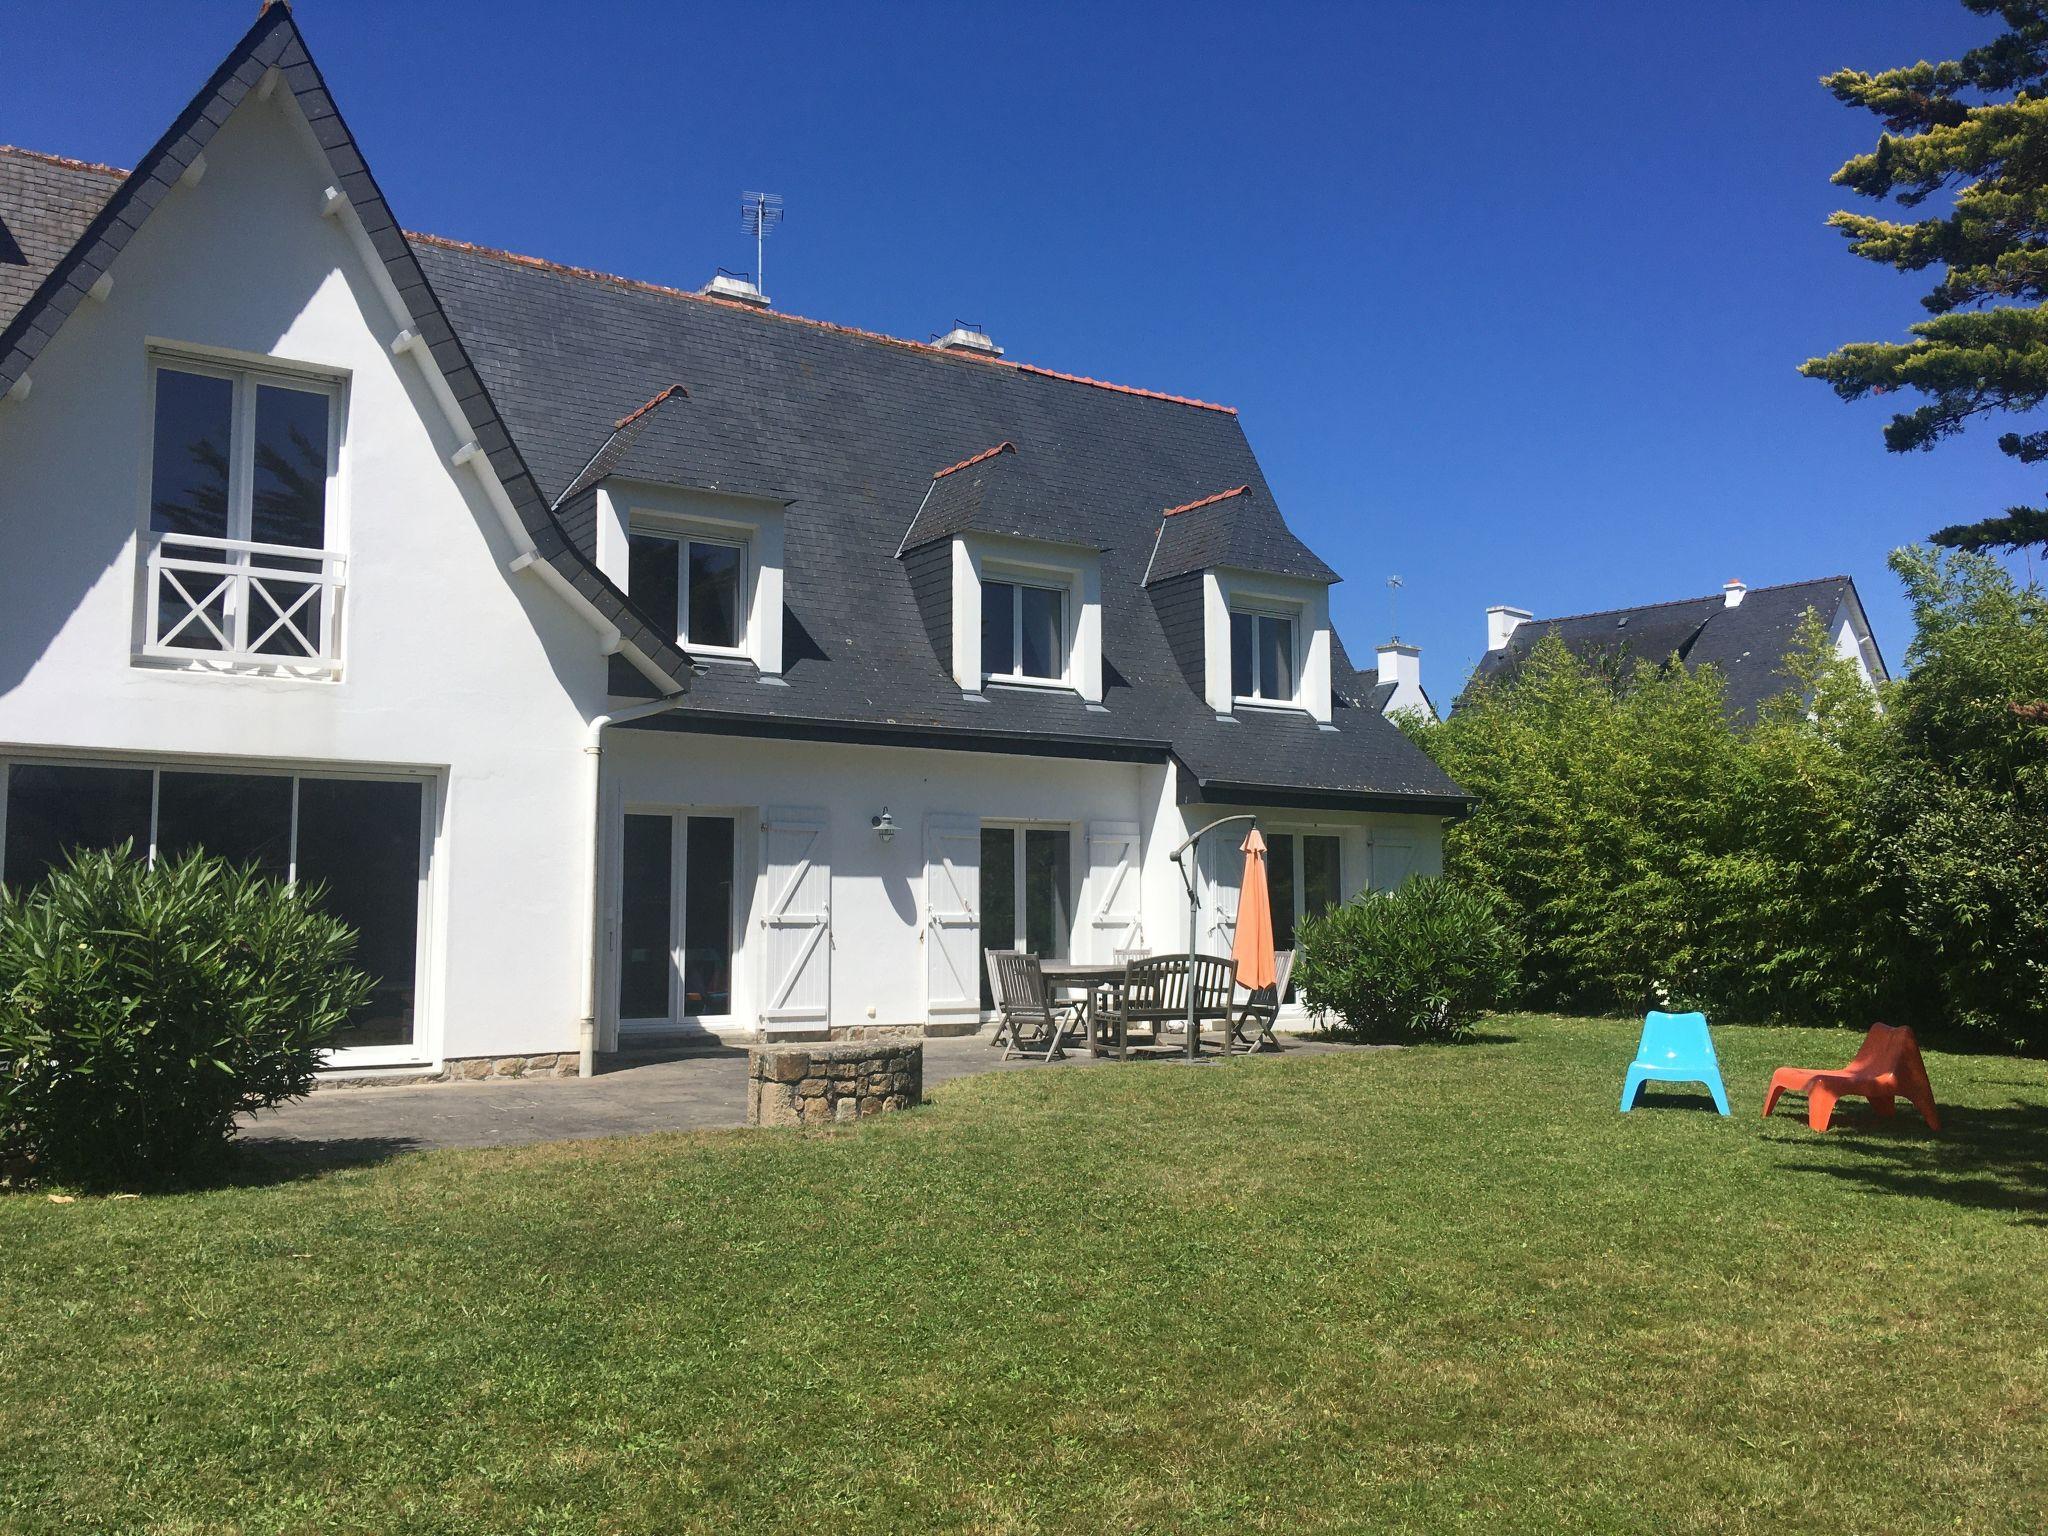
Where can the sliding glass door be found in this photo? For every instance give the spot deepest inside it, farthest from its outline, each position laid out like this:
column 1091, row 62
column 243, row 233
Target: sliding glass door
column 677, row 884
column 364, row 840
column 1027, row 898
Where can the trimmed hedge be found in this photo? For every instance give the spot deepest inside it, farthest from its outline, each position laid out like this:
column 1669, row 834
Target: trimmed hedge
column 1420, row 963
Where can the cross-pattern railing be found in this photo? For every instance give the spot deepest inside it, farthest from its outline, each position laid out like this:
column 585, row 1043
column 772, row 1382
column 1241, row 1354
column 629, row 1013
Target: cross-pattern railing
column 244, row 604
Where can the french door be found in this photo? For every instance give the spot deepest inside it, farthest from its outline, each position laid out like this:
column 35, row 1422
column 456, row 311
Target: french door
column 1304, row 877
column 677, row 887
column 1027, row 893
column 363, row 838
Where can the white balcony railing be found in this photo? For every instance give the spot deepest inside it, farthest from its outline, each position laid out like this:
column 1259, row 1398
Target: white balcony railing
column 240, row 604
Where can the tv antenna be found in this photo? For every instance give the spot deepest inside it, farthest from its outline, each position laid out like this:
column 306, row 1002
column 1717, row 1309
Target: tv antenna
column 760, row 212
column 1394, row 605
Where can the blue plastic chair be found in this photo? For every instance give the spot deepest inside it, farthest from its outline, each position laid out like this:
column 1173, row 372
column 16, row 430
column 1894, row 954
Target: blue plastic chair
column 1675, row 1048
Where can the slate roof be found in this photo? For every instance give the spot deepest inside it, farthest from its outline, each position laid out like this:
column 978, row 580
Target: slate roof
column 46, row 202
column 996, row 491
column 273, row 42
column 846, row 429
column 1748, row 642
column 1240, row 528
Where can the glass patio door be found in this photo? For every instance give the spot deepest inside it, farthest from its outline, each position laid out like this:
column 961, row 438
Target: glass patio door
column 676, row 920
column 1027, row 897
column 1304, row 878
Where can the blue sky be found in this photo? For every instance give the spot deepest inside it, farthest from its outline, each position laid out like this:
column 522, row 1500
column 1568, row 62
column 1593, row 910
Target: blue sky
column 1509, row 296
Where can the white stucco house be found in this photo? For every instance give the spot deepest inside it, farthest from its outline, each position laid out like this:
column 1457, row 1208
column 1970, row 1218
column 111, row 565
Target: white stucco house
column 626, row 662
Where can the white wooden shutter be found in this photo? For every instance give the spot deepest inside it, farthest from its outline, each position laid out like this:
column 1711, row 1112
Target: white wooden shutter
column 952, row 915
column 1114, row 918
column 1221, row 869
column 1393, row 861
column 796, row 918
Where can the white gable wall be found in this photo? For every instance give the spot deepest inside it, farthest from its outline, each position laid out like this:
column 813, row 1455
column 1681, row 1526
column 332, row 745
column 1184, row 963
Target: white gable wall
column 453, row 666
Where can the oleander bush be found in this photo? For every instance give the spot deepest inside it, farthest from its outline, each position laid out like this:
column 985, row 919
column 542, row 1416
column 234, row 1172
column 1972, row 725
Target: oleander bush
column 143, row 1008
column 1420, row 963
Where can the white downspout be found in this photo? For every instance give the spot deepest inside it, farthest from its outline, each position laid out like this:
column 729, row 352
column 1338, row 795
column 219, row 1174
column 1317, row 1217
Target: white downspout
column 593, row 948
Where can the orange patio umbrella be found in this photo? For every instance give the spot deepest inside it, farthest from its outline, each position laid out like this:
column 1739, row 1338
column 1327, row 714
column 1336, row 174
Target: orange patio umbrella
column 1253, row 950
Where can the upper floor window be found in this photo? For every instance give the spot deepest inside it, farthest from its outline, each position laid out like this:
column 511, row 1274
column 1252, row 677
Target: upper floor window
column 1023, row 632
column 698, row 583
column 1264, row 665
column 242, row 472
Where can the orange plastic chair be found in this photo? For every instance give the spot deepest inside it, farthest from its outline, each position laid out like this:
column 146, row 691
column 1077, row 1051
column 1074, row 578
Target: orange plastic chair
column 1885, row 1066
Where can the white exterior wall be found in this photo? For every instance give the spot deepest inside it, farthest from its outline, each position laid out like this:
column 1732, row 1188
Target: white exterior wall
column 879, row 897
column 453, row 667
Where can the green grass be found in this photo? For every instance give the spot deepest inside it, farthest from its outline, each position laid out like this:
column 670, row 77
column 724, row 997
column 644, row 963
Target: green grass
column 1428, row 1290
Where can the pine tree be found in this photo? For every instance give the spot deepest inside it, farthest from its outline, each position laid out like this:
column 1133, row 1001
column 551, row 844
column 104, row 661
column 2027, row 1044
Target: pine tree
column 1976, row 130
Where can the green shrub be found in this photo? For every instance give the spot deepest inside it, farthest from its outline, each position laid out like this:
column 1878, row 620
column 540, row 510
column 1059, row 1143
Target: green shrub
column 1420, row 963
column 142, row 1009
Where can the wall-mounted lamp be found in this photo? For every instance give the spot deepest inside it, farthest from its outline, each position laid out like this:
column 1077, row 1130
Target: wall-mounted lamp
column 884, row 824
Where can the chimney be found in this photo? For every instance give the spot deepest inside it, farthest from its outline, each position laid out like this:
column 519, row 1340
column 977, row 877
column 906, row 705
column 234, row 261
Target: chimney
column 1733, row 592
column 1502, row 622
column 968, row 338
column 736, row 287
column 1401, row 665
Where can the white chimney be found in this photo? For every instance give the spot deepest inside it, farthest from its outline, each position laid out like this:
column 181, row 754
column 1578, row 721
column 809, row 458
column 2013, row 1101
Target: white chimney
column 739, row 290
column 1733, row 592
column 965, row 338
column 1502, row 622
column 1401, row 665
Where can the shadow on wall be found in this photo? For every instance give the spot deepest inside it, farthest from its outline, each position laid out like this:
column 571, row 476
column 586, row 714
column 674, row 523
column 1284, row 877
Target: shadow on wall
column 1987, row 1159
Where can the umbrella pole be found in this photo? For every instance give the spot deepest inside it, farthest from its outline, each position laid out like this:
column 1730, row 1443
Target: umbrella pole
column 1194, row 909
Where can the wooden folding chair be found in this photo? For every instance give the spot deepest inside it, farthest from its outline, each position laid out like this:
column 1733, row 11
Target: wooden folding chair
column 1256, row 1015
column 995, row 992
column 1035, row 1022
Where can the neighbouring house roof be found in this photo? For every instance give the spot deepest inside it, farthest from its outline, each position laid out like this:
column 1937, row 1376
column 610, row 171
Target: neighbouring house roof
column 273, row 42
column 1748, row 642
column 566, row 375
column 46, row 202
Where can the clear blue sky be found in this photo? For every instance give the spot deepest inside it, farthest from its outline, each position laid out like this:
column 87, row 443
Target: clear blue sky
column 1509, row 296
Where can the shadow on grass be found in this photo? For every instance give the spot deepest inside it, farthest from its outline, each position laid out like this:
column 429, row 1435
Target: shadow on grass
column 1988, row 1159
column 254, row 1162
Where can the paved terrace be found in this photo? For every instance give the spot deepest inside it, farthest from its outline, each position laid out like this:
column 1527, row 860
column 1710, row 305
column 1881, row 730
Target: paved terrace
column 685, row 1090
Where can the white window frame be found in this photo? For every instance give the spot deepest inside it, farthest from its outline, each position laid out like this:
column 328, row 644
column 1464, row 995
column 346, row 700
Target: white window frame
column 238, row 548
column 743, row 875
column 683, row 535
column 425, row 1049
column 1292, row 615
column 1019, row 919
column 1041, row 581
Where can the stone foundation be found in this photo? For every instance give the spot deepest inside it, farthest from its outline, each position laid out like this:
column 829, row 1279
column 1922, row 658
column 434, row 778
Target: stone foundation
column 840, row 1081
column 468, row 1069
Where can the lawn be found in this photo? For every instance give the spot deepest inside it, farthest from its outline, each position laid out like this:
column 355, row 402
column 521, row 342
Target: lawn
column 1425, row 1290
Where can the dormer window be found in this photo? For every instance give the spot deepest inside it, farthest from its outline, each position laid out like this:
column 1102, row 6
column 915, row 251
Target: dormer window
column 698, row 583
column 1264, row 663
column 1023, row 632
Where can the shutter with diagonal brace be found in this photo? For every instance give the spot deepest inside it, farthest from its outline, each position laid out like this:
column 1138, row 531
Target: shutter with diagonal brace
column 1114, row 919
column 796, row 918
column 952, row 916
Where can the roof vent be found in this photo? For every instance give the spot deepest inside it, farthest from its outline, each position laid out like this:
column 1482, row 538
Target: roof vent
column 736, row 286
column 967, row 338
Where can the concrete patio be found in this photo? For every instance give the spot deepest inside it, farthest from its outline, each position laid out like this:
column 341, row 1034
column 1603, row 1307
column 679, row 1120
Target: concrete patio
column 686, row 1090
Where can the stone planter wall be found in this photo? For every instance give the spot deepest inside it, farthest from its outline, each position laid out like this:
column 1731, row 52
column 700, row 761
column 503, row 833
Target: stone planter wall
column 789, row 1084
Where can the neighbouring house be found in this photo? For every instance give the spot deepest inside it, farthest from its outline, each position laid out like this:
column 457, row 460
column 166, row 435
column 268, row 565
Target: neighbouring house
column 627, row 661
column 1395, row 685
column 1746, row 633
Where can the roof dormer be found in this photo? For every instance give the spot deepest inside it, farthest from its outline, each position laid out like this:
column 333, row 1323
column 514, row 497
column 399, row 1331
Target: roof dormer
column 1245, row 604
column 1009, row 588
